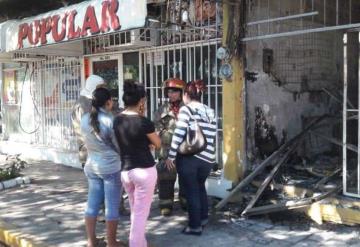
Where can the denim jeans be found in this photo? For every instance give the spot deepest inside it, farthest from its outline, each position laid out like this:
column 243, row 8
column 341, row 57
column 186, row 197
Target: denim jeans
column 193, row 173
column 103, row 188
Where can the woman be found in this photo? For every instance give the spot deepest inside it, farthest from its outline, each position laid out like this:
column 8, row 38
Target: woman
column 102, row 167
column 136, row 136
column 194, row 169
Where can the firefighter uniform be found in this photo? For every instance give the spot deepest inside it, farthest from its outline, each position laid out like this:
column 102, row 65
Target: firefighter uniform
column 165, row 123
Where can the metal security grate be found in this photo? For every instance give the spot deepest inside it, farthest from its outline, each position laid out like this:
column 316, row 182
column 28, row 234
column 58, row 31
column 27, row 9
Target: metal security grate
column 351, row 135
column 188, row 45
column 268, row 19
column 188, row 62
column 56, row 84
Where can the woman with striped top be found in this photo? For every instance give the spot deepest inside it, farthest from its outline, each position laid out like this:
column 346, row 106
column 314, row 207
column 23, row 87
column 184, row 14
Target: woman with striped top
column 194, row 169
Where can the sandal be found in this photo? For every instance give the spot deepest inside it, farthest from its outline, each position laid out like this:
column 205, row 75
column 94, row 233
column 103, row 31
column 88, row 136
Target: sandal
column 188, row 231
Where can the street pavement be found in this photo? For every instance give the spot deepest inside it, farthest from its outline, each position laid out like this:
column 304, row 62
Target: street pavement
column 50, row 210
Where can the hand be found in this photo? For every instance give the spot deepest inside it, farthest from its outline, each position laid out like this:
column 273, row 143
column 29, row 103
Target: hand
column 152, row 147
column 169, row 164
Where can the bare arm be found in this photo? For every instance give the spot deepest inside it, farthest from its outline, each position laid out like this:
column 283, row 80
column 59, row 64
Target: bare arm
column 154, row 139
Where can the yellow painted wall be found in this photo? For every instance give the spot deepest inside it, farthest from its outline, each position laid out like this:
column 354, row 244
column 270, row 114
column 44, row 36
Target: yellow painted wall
column 233, row 114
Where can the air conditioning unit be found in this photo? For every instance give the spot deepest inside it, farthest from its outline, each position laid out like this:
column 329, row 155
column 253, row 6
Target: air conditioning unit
column 26, row 57
column 137, row 38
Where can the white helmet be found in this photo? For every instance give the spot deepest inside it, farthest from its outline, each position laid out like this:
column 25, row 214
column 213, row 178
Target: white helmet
column 90, row 85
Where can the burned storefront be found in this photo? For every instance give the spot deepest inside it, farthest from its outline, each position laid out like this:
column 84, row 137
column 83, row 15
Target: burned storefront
column 301, row 64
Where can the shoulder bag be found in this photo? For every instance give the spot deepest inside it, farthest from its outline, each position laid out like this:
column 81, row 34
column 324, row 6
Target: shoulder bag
column 195, row 140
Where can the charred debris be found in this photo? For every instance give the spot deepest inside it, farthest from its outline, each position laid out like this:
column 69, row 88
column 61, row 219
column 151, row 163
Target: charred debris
column 286, row 163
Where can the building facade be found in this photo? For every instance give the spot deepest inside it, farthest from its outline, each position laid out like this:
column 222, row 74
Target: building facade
column 47, row 58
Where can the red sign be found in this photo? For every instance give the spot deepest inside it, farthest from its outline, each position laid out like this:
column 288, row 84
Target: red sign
column 37, row 31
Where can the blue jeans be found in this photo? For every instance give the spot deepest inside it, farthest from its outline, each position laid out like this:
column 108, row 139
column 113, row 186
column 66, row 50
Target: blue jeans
column 193, row 173
column 103, row 188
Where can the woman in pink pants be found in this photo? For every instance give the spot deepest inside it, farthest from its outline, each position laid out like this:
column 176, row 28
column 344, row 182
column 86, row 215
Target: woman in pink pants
column 135, row 135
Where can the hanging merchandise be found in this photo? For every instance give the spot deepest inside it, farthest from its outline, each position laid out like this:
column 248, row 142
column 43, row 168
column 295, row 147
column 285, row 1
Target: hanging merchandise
column 175, row 67
column 178, row 12
column 186, row 17
column 205, row 10
column 204, row 69
column 173, row 13
column 9, row 92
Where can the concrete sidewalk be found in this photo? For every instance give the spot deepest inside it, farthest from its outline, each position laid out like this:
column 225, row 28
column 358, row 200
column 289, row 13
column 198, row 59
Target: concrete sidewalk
column 49, row 212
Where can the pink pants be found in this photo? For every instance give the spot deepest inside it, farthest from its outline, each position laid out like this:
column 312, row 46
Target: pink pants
column 139, row 184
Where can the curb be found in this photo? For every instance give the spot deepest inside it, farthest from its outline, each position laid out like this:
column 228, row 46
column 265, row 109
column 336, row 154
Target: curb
column 14, row 182
column 14, row 238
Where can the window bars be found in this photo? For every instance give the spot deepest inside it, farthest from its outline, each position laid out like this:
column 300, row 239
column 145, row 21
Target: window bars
column 268, row 19
column 351, row 133
column 187, row 62
column 56, row 84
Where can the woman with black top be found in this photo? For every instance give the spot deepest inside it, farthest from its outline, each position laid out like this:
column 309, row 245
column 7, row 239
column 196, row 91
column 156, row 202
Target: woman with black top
column 136, row 136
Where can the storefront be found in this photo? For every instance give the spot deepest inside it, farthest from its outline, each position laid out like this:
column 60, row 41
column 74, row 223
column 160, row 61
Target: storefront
column 43, row 70
column 48, row 57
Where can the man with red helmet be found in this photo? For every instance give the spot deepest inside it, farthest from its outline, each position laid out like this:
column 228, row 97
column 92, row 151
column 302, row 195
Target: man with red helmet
column 165, row 123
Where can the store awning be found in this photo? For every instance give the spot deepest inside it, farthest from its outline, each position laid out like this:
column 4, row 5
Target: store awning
column 73, row 23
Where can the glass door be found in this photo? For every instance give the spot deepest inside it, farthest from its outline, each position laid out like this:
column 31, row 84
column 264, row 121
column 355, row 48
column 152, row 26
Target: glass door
column 116, row 70
column 108, row 68
column 130, row 68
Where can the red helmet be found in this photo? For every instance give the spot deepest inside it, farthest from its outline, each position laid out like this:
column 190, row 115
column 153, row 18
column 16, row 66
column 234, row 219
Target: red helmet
column 174, row 83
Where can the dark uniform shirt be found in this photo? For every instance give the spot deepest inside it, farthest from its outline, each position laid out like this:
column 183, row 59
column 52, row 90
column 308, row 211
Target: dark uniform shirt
column 165, row 124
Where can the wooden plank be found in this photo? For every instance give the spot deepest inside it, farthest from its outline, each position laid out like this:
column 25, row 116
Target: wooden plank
column 267, row 162
column 289, row 205
column 269, row 178
column 326, row 179
column 336, row 211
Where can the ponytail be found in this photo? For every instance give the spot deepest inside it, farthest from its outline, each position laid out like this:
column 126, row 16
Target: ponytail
column 100, row 97
column 94, row 121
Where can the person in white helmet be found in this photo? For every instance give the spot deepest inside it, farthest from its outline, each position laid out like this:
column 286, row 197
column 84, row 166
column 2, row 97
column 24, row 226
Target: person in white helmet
column 82, row 106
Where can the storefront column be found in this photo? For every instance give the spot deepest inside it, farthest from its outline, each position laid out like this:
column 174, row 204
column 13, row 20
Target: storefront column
column 233, row 104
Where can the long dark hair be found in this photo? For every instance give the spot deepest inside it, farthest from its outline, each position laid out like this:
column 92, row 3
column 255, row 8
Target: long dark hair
column 133, row 93
column 195, row 89
column 100, row 97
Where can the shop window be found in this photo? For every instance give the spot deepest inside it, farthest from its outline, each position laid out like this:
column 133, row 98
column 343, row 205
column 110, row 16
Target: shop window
column 18, row 116
column 131, row 66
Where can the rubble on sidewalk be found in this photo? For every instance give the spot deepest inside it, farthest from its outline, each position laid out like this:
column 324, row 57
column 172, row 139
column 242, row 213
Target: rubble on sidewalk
column 290, row 179
column 50, row 211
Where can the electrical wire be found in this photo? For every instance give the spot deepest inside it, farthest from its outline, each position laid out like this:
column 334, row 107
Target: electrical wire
column 33, row 100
